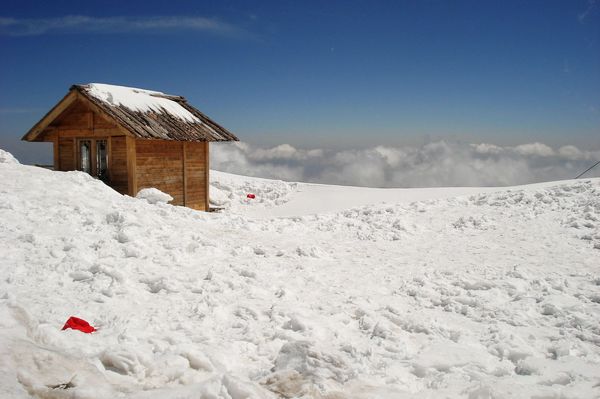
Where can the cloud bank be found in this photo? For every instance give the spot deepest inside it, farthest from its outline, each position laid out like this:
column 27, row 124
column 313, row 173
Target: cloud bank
column 87, row 24
column 431, row 165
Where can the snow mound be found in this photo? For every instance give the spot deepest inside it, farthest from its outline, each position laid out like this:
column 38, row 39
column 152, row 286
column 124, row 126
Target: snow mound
column 154, row 196
column 7, row 158
column 231, row 191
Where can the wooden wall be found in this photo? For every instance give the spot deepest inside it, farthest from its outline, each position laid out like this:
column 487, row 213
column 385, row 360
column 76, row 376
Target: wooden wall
column 66, row 153
column 79, row 120
column 159, row 164
column 177, row 168
column 196, row 173
column 117, row 162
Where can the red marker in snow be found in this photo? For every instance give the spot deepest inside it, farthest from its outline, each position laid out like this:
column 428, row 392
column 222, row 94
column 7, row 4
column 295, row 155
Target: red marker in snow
column 76, row 323
column 251, row 196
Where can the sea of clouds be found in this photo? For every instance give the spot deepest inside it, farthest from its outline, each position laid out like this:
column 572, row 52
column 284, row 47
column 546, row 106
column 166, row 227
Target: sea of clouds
column 433, row 164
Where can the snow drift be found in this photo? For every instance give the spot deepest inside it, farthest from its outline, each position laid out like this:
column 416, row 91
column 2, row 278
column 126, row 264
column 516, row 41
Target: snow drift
column 492, row 294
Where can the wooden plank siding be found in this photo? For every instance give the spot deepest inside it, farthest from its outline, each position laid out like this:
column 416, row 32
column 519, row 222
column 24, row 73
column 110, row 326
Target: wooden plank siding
column 55, row 153
column 131, row 166
column 159, row 164
column 119, row 178
column 195, row 175
column 66, row 154
column 207, row 176
column 79, row 121
column 175, row 167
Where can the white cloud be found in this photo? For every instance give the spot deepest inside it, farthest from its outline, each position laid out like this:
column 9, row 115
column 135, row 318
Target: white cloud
column 534, row 149
column 486, row 149
column 283, row 152
column 434, row 164
column 117, row 24
column 572, row 153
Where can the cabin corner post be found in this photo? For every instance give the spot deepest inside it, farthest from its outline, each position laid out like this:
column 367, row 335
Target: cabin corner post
column 184, row 162
column 207, row 176
column 55, row 149
column 110, row 158
column 131, row 166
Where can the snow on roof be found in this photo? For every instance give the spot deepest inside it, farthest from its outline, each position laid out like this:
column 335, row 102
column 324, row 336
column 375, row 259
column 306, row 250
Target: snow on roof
column 141, row 100
column 153, row 115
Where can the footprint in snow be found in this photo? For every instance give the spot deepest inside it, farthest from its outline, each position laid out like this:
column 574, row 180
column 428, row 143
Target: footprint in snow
column 245, row 313
column 81, row 275
column 122, row 361
column 549, row 309
column 294, row 324
column 28, row 238
column 247, row 273
column 313, row 252
column 155, row 285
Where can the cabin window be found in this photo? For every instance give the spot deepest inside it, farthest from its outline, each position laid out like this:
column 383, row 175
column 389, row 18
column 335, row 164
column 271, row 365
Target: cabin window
column 101, row 160
column 93, row 157
column 85, row 155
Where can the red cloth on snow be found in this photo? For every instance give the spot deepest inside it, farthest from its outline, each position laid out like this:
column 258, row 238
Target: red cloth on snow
column 78, row 324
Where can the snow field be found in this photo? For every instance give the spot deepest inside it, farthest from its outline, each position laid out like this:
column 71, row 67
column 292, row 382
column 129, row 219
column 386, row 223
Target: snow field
column 489, row 295
column 230, row 192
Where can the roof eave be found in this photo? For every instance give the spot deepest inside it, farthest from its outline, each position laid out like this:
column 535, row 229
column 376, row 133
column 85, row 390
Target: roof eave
column 219, row 133
column 50, row 116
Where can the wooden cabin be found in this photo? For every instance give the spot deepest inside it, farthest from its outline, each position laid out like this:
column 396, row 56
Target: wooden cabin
column 133, row 139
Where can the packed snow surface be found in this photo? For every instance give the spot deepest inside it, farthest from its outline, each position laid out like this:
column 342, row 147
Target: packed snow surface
column 154, row 196
column 492, row 294
column 140, row 100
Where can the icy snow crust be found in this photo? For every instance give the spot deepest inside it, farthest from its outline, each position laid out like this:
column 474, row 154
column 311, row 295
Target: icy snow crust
column 489, row 295
column 140, row 100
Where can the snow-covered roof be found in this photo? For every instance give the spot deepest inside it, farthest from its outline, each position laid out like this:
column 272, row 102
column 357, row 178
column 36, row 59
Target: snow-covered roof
column 140, row 100
column 152, row 114
column 144, row 113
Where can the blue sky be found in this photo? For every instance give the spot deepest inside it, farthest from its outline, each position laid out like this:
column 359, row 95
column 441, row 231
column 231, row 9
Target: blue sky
column 332, row 74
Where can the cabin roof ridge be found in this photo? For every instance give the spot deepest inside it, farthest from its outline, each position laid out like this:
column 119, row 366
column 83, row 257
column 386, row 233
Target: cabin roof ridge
column 144, row 113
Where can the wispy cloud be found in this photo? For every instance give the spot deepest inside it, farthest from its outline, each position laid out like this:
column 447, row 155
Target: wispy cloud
column 590, row 7
column 117, row 24
column 434, row 164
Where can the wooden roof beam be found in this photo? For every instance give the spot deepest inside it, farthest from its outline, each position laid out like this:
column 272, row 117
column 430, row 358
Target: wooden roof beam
column 95, row 108
column 54, row 113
